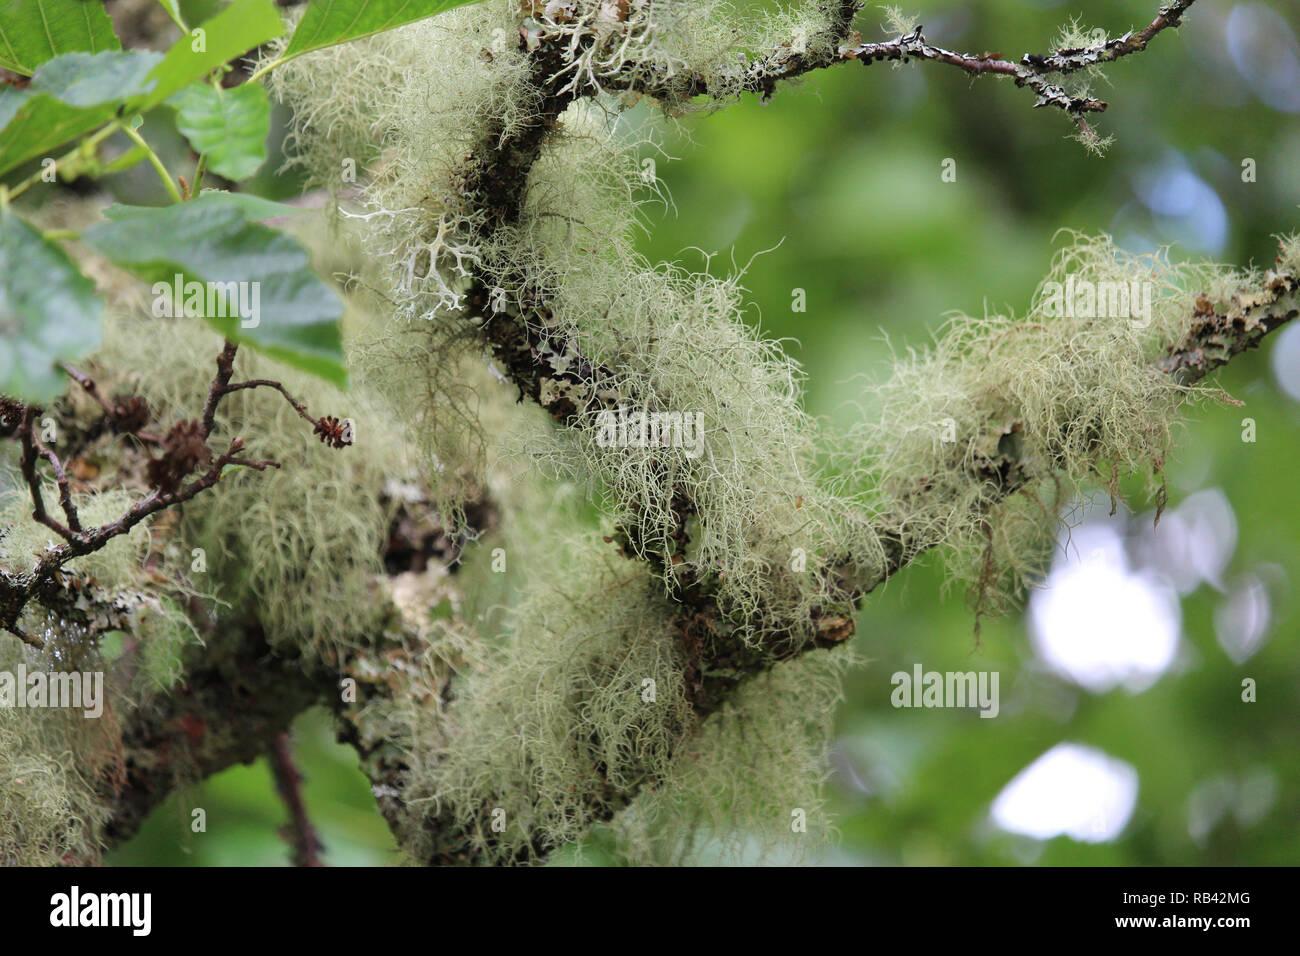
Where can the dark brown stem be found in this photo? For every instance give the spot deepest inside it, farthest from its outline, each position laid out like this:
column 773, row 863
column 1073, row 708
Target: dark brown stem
column 88, row 386
column 17, row 589
column 300, row 834
column 298, row 406
column 225, row 369
column 33, row 448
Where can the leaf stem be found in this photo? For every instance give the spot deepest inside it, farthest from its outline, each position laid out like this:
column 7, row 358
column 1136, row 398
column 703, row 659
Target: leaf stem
column 157, row 163
column 267, row 68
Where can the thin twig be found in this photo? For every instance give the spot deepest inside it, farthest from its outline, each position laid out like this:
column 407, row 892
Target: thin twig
column 298, row 406
column 225, row 369
column 17, row 589
column 33, row 448
column 841, row 45
column 300, row 834
column 88, row 386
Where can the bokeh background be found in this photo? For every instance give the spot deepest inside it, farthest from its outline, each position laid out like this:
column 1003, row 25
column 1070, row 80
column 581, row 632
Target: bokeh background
column 1122, row 737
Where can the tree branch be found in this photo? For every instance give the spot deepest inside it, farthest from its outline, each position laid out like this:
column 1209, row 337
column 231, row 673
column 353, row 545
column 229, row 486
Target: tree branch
column 237, row 695
column 495, row 180
column 299, row 833
column 184, row 449
column 837, row 43
column 255, row 693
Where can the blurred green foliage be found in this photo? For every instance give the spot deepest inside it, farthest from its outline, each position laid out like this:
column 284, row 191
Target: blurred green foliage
column 838, row 179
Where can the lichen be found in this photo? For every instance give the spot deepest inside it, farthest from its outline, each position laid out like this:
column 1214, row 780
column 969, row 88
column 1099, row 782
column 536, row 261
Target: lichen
column 54, row 765
column 549, row 695
column 1061, row 396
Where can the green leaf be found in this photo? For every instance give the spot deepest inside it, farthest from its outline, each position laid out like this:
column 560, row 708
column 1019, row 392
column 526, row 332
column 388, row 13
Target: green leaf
column 43, row 123
column 328, row 22
column 11, row 101
column 254, row 208
column 33, row 31
column 240, row 27
column 289, row 312
column 230, row 126
column 69, row 97
column 85, row 79
column 48, row 313
column 173, row 9
column 39, row 120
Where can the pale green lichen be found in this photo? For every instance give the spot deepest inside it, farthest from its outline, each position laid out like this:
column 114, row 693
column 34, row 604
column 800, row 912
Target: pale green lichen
column 748, row 786
column 551, row 728
column 293, row 547
column 1068, row 396
column 54, row 765
column 586, row 701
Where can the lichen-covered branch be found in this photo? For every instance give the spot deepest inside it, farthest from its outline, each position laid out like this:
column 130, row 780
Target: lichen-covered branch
column 237, row 695
column 503, row 216
column 184, row 451
column 837, row 43
column 550, row 367
column 489, row 223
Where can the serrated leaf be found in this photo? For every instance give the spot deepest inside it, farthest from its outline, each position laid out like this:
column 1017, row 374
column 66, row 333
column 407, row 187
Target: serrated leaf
column 68, row 97
column 329, row 22
column 48, row 313
column 230, row 126
column 33, row 31
column 292, row 314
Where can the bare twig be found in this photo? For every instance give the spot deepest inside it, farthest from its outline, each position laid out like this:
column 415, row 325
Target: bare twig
column 786, row 62
column 298, row 406
column 225, row 369
column 128, row 416
column 88, row 385
column 184, row 449
column 329, row 429
column 300, row 834
column 32, row 448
